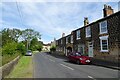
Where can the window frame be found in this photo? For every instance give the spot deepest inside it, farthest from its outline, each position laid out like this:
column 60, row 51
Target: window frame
column 78, row 36
column 86, row 29
column 101, row 27
column 101, row 45
column 61, row 41
column 66, row 40
column 71, row 38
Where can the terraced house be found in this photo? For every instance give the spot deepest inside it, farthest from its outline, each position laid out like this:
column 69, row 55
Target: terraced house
column 99, row 39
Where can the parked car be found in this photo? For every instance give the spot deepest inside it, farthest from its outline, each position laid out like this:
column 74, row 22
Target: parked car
column 29, row 53
column 79, row 58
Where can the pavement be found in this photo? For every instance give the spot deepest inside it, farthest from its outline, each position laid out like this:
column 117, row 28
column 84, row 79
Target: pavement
column 97, row 62
column 51, row 66
column 107, row 64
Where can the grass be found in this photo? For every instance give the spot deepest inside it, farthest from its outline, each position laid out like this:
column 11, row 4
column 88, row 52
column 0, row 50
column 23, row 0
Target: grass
column 7, row 58
column 34, row 52
column 23, row 69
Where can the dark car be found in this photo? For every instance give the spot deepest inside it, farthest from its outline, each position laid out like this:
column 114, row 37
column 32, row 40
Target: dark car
column 29, row 53
column 79, row 58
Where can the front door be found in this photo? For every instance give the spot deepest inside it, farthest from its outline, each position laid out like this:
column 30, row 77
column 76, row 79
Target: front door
column 90, row 49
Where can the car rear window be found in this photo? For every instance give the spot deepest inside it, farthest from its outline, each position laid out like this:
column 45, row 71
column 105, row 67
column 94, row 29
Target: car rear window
column 29, row 51
column 78, row 54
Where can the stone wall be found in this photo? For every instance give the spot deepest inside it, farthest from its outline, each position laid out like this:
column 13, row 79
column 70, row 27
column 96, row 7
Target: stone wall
column 7, row 68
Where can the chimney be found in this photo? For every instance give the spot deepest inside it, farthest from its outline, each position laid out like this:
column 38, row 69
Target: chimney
column 63, row 34
column 107, row 10
column 86, row 22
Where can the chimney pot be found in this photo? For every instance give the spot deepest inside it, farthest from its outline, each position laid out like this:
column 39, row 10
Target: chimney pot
column 107, row 10
column 86, row 22
column 63, row 34
column 105, row 6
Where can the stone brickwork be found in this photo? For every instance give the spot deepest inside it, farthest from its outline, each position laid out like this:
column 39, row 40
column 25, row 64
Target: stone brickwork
column 113, row 33
column 7, row 68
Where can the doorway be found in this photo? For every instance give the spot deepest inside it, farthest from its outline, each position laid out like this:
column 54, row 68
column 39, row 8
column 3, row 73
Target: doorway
column 90, row 49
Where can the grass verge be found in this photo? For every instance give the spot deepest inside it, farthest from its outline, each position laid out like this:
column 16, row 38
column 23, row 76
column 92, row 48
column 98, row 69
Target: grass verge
column 34, row 52
column 24, row 68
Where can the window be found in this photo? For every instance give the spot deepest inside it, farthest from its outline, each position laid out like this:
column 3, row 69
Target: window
column 56, row 42
column 104, row 43
column 71, row 38
column 66, row 40
column 61, row 41
column 78, row 34
column 103, row 27
column 88, row 32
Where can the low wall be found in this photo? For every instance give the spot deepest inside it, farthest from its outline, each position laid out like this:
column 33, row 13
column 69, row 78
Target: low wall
column 7, row 68
column 105, row 62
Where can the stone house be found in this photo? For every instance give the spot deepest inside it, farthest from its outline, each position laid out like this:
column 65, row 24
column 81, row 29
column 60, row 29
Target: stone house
column 99, row 39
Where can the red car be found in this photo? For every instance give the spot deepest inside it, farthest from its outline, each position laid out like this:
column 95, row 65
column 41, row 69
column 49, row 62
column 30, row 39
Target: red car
column 79, row 58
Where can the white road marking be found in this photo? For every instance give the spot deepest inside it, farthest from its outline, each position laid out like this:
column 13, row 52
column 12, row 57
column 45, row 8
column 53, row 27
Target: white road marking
column 51, row 60
column 67, row 67
column 91, row 77
column 115, row 70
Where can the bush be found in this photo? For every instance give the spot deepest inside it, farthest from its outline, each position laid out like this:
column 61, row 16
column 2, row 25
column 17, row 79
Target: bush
column 21, row 48
column 53, row 48
column 9, row 48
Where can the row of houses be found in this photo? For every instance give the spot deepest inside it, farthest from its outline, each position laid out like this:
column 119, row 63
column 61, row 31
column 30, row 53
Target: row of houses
column 99, row 39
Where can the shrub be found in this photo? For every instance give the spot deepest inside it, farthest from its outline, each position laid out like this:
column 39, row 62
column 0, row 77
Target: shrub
column 21, row 48
column 53, row 48
column 9, row 48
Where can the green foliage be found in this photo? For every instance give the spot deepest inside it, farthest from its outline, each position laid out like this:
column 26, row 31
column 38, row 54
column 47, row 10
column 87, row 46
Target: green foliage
column 39, row 48
column 35, row 45
column 28, row 35
column 10, row 35
column 10, row 48
column 53, row 48
column 21, row 48
column 7, row 58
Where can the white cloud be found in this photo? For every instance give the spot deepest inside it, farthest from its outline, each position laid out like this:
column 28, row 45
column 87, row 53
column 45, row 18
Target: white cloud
column 52, row 19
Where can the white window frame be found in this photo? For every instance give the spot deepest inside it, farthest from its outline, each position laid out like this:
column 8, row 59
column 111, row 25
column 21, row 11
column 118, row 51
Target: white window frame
column 105, row 26
column 87, row 33
column 71, row 38
column 77, row 34
column 103, row 38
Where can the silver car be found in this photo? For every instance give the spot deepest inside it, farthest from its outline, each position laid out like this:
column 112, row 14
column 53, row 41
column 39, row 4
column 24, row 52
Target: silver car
column 29, row 53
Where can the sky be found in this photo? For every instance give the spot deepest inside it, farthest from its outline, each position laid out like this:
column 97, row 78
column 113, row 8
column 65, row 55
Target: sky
column 50, row 18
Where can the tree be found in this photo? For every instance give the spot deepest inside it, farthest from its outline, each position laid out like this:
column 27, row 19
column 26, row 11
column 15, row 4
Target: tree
column 9, row 48
column 21, row 48
column 53, row 48
column 35, row 44
column 15, row 34
column 9, row 35
column 29, row 34
column 0, row 39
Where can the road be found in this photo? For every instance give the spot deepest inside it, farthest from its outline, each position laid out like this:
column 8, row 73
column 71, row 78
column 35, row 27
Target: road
column 47, row 66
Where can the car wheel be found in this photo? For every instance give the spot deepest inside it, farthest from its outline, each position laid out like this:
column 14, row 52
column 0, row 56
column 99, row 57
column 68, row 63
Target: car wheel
column 78, row 62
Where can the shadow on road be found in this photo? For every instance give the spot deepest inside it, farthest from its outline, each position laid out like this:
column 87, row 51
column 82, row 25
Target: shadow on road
column 57, row 55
